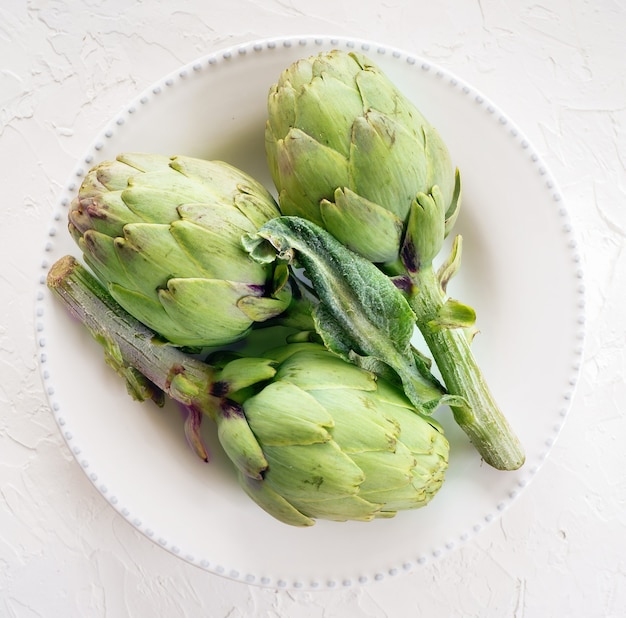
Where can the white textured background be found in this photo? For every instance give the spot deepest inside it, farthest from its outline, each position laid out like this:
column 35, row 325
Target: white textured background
column 557, row 68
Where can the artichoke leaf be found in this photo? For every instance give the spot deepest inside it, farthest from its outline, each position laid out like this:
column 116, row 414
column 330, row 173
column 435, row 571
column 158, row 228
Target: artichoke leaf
column 335, row 64
column 168, row 182
column 374, row 365
column 307, row 168
column 140, row 251
column 452, row 264
column 283, row 414
column 102, row 257
column 425, row 230
column 113, row 175
column 318, row 471
column 212, row 253
column 191, row 427
column 151, row 204
column 359, row 426
column 440, row 170
column 379, row 93
column 256, row 210
column 419, row 433
column 298, row 208
column 273, row 503
column 453, row 314
column 219, row 218
column 340, row 103
column 349, row 507
column 281, row 111
column 221, row 321
column 378, row 241
column 262, row 308
column 242, row 372
column 360, row 310
column 333, row 336
column 143, row 161
column 281, row 353
column 421, row 387
column 151, row 312
column 401, row 498
column 216, row 177
column 328, row 372
column 396, row 178
column 385, row 469
column 238, row 441
column 452, row 213
column 107, row 213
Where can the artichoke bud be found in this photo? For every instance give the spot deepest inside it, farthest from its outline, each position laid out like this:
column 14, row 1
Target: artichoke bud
column 164, row 235
column 339, row 442
column 425, row 230
column 336, row 122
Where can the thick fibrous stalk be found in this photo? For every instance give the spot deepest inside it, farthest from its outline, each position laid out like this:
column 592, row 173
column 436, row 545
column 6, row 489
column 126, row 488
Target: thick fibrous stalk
column 481, row 420
column 179, row 375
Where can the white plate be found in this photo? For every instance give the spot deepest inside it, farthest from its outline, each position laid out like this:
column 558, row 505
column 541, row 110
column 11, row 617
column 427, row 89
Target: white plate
column 521, row 272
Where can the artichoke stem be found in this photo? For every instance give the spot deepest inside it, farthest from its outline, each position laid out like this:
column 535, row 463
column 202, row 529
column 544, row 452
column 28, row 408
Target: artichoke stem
column 482, row 421
column 183, row 378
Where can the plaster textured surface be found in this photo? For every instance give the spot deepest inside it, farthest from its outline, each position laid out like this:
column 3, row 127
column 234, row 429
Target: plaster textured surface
column 557, row 70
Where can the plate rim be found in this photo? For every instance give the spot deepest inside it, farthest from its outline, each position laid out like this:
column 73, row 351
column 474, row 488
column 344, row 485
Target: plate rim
column 308, row 42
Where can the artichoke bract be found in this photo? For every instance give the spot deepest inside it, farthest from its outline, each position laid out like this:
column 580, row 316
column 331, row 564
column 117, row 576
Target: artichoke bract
column 311, row 435
column 344, row 146
column 163, row 234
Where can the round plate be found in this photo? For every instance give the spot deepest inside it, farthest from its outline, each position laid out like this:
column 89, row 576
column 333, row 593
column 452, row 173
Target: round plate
column 520, row 271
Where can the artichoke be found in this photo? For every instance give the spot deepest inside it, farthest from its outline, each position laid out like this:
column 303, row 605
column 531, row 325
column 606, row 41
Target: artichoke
column 348, row 151
column 311, row 435
column 339, row 443
column 163, row 234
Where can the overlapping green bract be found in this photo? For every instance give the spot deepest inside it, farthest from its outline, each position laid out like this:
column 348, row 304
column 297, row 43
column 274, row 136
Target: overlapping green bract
column 348, row 151
column 163, row 233
column 339, row 443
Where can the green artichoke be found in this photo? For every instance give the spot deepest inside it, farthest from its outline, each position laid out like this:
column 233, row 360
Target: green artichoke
column 348, row 151
column 311, row 435
column 339, row 443
column 163, row 234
